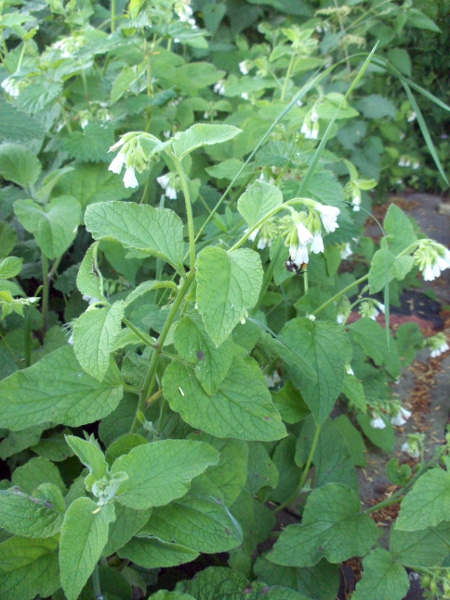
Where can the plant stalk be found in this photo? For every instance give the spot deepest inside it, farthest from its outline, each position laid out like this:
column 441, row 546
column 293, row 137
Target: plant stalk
column 95, row 577
column 113, row 16
column 190, row 217
column 45, row 291
column 149, row 381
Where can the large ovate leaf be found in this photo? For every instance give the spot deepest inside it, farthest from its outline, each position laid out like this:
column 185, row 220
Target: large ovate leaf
column 385, row 267
column 324, row 348
column 372, row 338
column 383, row 578
column 127, row 524
column 257, row 201
column 54, row 226
column 56, row 389
column 202, row 134
column 31, row 516
column 194, row 344
column 91, row 456
column 203, row 524
column 428, row 503
column 84, row 534
column 94, row 334
column 156, row 231
column 154, row 553
column 28, row 567
column 19, row 165
column 242, row 408
column 333, row 527
column 35, row 473
column 399, row 228
column 162, row 471
column 228, row 285
column 427, row 547
column 25, row 127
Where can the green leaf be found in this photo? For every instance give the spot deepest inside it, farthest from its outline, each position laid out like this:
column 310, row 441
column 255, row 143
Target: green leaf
column 36, row 472
column 164, row 594
column 127, row 524
column 324, row 348
column 89, row 278
column 213, row 15
column 203, row 524
column 399, row 228
column 19, row 165
column 194, row 344
column 228, row 285
column 8, row 237
column 290, row 403
column 257, row 201
column 428, row 503
column 91, row 456
column 200, row 135
column 354, row 391
column 226, row 479
column 372, row 338
column 383, row 438
column 162, row 471
column 228, row 169
column 91, row 144
column 94, row 335
column 10, row 267
column 28, row 567
column 91, row 183
column 25, row 127
column 242, row 407
column 29, row 516
column 375, row 106
column 153, row 553
column 123, row 445
column 417, row 19
column 56, row 389
column 54, row 226
column 155, row 231
column 262, row 471
column 385, row 267
column 84, row 534
column 383, row 578
column 427, row 548
column 333, row 527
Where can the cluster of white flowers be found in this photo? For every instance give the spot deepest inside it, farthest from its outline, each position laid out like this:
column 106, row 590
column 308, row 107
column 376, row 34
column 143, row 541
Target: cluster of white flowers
column 185, row 12
column 432, row 258
column 412, row 446
column 346, row 251
column 11, row 87
column 411, row 117
column 219, row 87
column 348, row 369
column 377, row 422
column 406, row 161
column 371, row 309
column 272, row 379
column 400, row 417
column 165, row 181
column 266, row 234
column 121, row 159
column 244, row 67
column 437, row 344
column 310, row 127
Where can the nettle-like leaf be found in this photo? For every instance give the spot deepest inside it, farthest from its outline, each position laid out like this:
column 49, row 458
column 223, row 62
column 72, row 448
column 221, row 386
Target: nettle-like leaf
column 28, row 567
column 19, row 165
column 35, row 473
column 32, row 516
column 94, row 336
column 228, row 285
column 385, row 267
column 164, row 594
column 25, row 127
column 10, row 267
column 257, row 201
column 400, row 229
column 372, row 338
column 383, row 578
column 56, row 389
column 203, row 524
column 127, row 524
column 428, row 503
column 153, row 553
column 84, row 534
column 202, row 134
column 323, row 349
column 428, row 547
column 89, row 145
column 242, row 407
column 162, row 471
column 91, row 456
column 89, row 277
column 333, row 527
column 54, row 226
column 156, row 231
column 194, row 344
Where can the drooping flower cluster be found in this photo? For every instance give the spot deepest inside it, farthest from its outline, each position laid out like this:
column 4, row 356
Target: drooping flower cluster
column 437, row 344
column 432, row 258
column 137, row 149
column 272, row 379
column 343, row 311
column 370, row 308
column 167, row 182
column 265, row 234
column 414, row 445
column 310, row 127
column 393, row 410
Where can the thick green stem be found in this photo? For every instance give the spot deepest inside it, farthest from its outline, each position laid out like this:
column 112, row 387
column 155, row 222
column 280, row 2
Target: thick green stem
column 95, row 577
column 190, row 216
column 148, row 341
column 305, row 472
column 149, row 381
column 341, row 293
column 45, row 291
column 28, row 337
column 113, row 15
column 286, row 79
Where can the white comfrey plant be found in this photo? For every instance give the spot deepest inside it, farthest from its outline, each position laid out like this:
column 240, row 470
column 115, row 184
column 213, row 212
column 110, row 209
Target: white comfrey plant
column 371, row 309
column 353, row 188
column 432, row 258
column 437, row 344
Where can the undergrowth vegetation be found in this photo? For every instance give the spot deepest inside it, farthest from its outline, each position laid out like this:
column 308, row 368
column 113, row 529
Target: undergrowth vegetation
column 182, row 257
